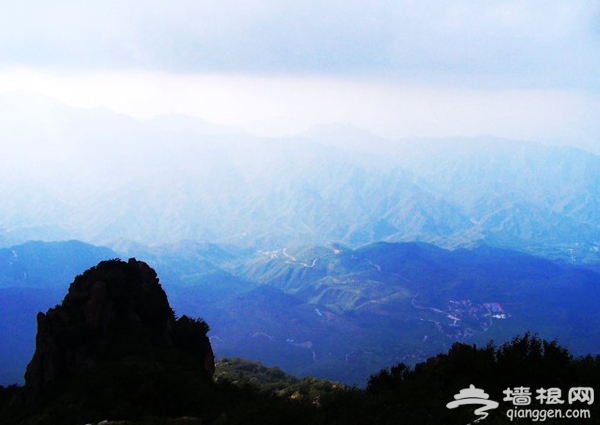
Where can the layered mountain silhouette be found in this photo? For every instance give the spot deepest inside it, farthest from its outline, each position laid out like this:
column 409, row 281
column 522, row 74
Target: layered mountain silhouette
column 103, row 178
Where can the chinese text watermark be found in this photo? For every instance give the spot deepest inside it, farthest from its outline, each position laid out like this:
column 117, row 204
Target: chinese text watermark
column 549, row 402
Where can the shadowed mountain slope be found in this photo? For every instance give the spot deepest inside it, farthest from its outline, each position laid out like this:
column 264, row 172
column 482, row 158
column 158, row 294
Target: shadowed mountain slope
column 342, row 313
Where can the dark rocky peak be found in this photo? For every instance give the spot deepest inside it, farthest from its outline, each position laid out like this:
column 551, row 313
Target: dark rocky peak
column 115, row 310
column 123, row 294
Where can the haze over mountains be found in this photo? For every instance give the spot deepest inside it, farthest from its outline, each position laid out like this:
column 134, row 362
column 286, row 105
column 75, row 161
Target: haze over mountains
column 350, row 252
column 75, row 173
column 334, row 188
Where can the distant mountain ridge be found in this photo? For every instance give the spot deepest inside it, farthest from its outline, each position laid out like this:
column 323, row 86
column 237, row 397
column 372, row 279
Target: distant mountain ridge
column 105, row 178
column 48, row 265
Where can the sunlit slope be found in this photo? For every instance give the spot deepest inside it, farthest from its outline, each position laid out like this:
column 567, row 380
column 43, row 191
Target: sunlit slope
column 337, row 312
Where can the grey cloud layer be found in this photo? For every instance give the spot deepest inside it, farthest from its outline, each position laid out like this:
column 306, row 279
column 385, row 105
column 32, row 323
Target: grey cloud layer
column 541, row 42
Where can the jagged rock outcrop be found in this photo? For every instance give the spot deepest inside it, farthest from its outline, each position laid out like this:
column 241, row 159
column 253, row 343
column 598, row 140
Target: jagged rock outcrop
column 115, row 310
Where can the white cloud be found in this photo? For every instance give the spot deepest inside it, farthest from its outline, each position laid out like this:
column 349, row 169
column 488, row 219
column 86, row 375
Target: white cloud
column 511, row 40
column 290, row 104
column 514, row 68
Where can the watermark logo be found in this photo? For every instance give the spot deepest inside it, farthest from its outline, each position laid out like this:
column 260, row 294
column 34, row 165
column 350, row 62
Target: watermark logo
column 548, row 402
column 474, row 396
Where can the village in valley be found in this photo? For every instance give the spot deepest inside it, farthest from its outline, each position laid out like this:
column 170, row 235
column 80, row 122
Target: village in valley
column 462, row 319
column 469, row 318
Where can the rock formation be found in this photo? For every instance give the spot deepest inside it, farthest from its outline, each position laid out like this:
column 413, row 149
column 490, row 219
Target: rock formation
column 112, row 311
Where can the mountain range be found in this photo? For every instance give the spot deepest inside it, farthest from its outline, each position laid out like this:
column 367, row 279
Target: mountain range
column 111, row 180
column 330, row 311
column 331, row 253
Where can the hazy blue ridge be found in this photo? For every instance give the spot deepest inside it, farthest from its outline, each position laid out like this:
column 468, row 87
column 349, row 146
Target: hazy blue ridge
column 75, row 174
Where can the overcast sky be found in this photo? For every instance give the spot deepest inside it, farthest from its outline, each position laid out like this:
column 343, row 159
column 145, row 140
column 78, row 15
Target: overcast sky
column 511, row 68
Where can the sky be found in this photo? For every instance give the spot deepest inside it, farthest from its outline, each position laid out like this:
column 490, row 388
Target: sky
column 521, row 69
